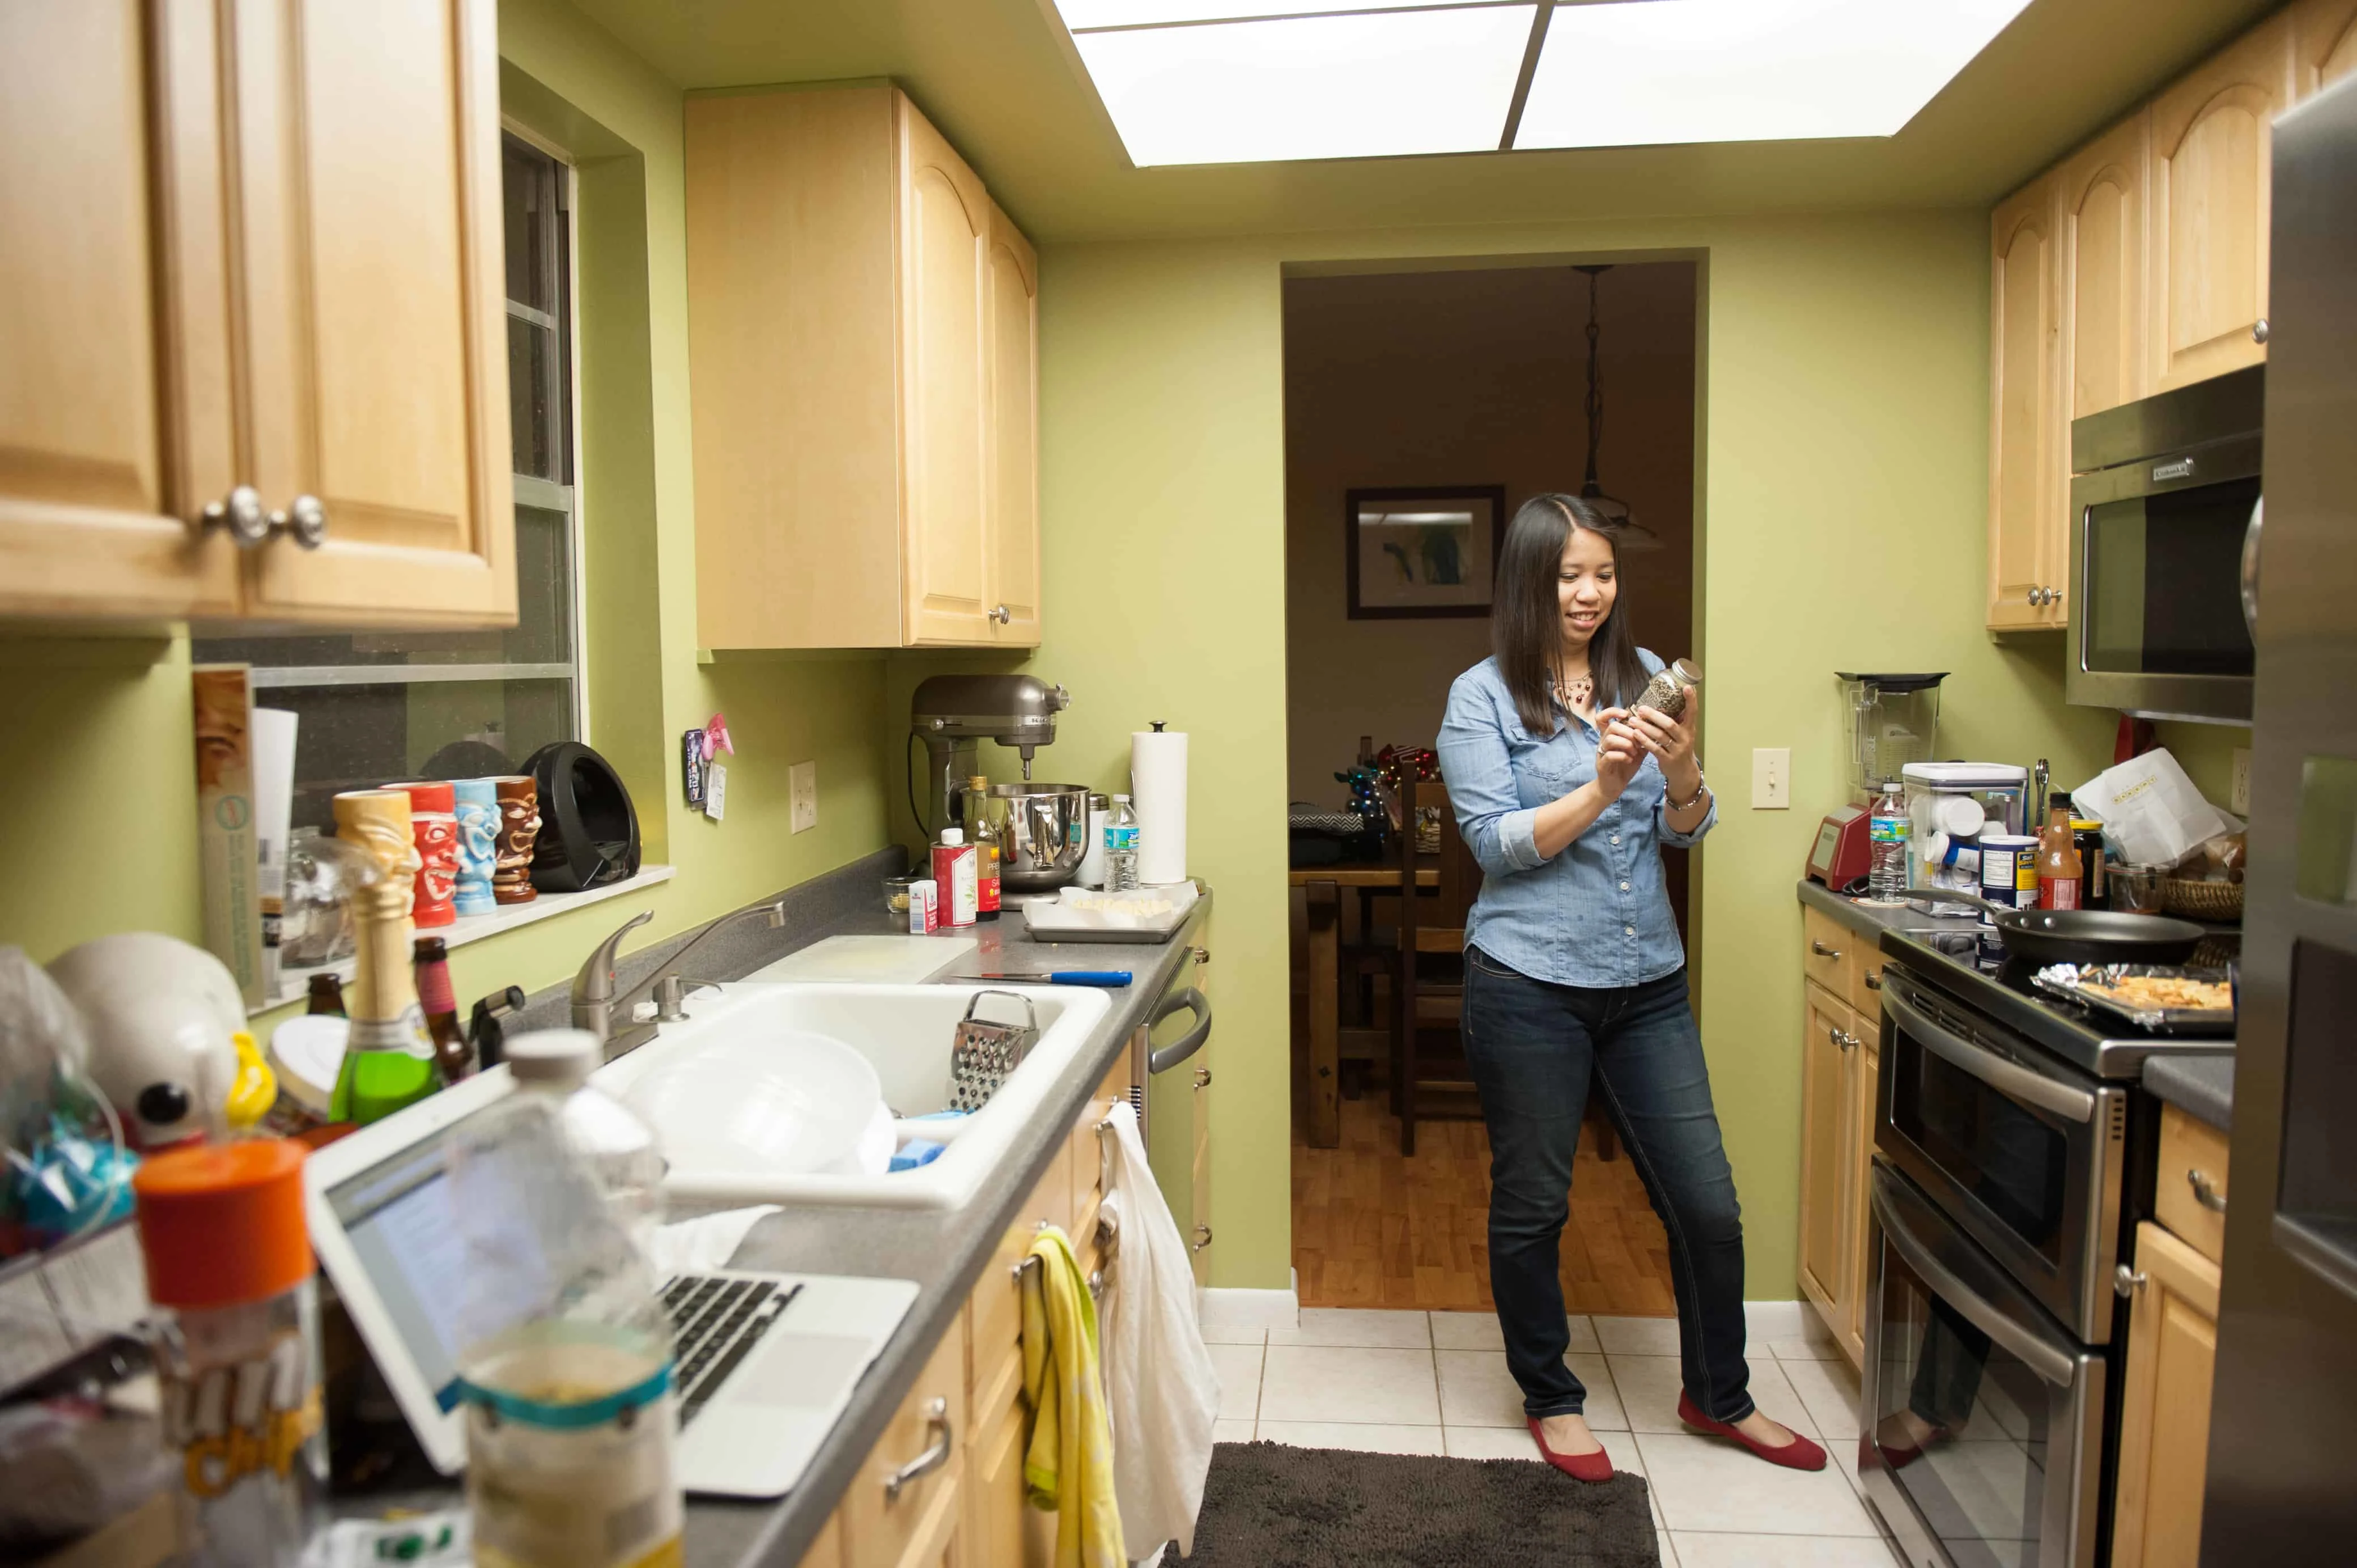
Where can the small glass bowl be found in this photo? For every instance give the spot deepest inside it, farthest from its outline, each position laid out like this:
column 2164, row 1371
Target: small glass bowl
column 2135, row 889
column 896, row 893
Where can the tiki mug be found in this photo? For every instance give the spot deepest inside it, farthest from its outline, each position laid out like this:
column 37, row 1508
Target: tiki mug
column 389, row 1056
column 435, row 825
column 478, row 812
column 519, row 827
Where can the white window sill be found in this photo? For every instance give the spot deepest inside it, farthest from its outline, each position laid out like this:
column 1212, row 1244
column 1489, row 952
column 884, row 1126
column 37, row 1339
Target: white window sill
column 294, row 982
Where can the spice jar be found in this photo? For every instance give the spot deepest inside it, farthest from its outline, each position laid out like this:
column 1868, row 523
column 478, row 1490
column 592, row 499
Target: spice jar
column 1665, row 693
column 228, row 1254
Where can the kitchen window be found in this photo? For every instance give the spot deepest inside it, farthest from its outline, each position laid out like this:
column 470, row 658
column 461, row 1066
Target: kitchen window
column 377, row 706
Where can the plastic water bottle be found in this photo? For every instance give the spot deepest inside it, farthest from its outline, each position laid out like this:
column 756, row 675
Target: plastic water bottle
column 1887, row 831
column 609, row 1140
column 1120, row 846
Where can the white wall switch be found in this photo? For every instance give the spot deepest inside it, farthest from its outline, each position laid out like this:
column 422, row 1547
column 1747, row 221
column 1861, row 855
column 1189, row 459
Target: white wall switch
column 1771, row 779
column 802, row 786
column 2241, row 804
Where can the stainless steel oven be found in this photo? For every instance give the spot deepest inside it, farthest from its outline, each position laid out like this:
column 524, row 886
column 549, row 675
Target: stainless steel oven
column 2025, row 1152
column 2165, row 527
column 1982, row 1421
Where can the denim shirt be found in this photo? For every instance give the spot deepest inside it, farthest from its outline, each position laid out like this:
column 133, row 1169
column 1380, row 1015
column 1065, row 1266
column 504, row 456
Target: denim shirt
column 1598, row 913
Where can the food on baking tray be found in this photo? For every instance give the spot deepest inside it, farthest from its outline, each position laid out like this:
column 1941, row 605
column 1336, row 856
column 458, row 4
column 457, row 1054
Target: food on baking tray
column 2147, row 991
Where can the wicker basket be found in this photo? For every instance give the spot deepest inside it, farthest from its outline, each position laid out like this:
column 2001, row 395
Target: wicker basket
column 2202, row 900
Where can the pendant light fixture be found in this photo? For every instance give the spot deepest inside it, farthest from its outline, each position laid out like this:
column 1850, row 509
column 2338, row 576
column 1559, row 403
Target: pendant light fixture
column 1590, row 490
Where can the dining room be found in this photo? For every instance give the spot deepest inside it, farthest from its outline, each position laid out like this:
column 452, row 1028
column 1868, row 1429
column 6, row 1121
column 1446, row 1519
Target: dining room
column 1421, row 408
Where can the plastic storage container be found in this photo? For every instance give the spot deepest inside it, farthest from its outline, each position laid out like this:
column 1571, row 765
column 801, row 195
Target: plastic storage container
column 1963, row 800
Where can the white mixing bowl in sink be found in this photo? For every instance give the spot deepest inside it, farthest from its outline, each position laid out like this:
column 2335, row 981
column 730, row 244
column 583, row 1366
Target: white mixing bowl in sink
column 760, row 1105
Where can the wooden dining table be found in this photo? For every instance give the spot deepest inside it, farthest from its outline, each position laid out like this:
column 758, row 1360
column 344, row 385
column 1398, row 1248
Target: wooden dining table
column 1325, row 884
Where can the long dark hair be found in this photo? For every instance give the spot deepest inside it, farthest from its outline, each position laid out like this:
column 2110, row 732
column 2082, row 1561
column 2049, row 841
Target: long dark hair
column 1526, row 615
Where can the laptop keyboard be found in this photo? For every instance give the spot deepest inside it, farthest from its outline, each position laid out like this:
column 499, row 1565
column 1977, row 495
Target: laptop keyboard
column 717, row 1322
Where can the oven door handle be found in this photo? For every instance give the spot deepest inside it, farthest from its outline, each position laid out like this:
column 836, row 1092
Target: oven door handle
column 2250, row 566
column 2007, row 1078
column 2036, row 1354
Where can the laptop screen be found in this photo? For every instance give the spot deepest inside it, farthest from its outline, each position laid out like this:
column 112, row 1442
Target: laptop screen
column 397, row 1216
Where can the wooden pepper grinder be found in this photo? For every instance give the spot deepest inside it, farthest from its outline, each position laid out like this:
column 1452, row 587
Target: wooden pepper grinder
column 389, row 1056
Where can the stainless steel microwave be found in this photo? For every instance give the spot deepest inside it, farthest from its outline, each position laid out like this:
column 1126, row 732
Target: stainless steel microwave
column 2165, row 523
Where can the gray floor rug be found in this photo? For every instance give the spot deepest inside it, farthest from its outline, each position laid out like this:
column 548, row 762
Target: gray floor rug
column 1270, row 1506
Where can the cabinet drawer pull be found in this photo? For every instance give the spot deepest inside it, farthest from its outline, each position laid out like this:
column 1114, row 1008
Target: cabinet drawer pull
column 1096, row 1284
column 1202, row 1078
column 2127, row 1281
column 1202, row 956
column 1204, row 1238
column 1821, row 950
column 2205, row 1191
column 937, row 1418
column 1874, row 980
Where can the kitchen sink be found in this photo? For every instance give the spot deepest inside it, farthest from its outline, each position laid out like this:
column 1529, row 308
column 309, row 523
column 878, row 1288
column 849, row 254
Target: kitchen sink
column 705, row 1070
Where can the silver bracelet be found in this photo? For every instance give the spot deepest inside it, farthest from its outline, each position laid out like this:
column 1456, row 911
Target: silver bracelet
column 1702, row 788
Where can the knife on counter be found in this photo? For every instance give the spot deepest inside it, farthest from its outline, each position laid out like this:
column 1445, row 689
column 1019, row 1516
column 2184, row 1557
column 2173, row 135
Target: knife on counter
column 1113, row 979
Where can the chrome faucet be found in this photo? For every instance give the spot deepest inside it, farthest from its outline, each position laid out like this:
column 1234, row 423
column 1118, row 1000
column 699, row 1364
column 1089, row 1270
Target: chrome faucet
column 610, row 1016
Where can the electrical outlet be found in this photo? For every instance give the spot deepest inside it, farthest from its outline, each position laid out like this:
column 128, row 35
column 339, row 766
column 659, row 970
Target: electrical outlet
column 1771, row 779
column 801, row 788
column 2240, row 803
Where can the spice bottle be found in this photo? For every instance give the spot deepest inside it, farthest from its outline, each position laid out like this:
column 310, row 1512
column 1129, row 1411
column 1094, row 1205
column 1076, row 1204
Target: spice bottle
column 984, row 834
column 229, row 1255
column 2058, row 867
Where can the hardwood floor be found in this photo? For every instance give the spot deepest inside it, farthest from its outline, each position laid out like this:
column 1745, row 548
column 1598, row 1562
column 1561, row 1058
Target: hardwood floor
column 1374, row 1228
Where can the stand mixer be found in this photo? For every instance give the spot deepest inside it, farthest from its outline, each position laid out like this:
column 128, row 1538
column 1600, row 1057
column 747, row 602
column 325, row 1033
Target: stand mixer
column 1045, row 823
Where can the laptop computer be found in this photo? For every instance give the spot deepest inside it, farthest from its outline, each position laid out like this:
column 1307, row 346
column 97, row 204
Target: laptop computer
column 766, row 1362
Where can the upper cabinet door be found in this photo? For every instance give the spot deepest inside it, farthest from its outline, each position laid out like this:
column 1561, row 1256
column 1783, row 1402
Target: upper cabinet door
column 2324, row 37
column 2027, row 489
column 1011, row 286
column 113, row 414
column 2211, row 145
column 2103, row 271
column 944, row 224
column 375, row 333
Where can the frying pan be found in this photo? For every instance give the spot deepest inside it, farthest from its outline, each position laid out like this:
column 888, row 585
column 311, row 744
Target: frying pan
column 2080, row 935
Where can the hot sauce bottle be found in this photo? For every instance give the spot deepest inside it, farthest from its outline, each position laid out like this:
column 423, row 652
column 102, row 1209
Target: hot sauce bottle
column 2060, row 869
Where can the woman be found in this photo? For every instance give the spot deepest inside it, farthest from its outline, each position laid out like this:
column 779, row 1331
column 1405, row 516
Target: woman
column 1574, row 978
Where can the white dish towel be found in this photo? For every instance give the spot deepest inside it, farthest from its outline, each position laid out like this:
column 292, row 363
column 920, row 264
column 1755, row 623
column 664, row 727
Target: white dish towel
column 1160, row 1385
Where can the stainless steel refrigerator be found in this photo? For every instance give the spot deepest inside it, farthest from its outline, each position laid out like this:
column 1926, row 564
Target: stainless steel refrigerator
column 2283, row 1436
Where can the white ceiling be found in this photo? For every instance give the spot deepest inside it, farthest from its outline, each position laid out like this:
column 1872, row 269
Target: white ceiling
column 1224, row 81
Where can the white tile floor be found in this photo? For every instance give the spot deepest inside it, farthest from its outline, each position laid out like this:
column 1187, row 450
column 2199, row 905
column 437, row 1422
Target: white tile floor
column 1416, row 1383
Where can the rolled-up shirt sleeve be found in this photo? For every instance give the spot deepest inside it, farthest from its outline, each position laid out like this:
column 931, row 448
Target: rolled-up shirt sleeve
column 1677, row 840
column 1479, row 773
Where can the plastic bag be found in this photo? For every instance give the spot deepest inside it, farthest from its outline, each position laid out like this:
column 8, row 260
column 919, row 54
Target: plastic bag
column 2150, row 810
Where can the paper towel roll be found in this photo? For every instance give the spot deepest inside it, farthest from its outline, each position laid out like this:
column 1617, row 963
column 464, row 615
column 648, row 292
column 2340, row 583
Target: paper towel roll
column 1158, row 785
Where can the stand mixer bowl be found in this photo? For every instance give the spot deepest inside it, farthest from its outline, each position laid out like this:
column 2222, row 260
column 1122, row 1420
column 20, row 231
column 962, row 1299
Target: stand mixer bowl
column 1046, row 835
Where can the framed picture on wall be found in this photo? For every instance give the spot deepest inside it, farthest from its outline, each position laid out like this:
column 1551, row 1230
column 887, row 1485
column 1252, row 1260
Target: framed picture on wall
column 1427, row 550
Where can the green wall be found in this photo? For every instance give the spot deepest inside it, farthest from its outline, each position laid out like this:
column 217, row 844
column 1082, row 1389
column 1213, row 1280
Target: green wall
column 99, row 796
column 1844, row 388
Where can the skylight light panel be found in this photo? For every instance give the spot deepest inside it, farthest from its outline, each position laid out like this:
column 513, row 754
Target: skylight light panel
column 1083, row 13
column 1642, row 72
column 1367, row 84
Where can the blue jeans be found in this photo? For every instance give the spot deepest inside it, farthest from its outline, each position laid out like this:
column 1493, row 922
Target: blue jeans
column 1535, row 1049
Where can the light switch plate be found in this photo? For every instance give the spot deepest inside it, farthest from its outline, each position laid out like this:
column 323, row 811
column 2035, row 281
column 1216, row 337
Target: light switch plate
column 2240, row 803
column 1771, row 779
column 802, row 786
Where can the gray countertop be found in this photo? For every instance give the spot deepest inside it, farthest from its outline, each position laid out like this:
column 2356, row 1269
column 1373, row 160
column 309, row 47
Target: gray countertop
column 2201, row 1086
column 1871, row 918
column 943, row 1251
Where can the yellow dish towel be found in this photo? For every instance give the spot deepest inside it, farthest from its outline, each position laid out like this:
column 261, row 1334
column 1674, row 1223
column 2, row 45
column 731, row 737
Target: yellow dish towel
column 1068, row 1466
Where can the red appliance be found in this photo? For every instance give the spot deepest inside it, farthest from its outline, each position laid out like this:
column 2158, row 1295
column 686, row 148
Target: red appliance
column 1841, row 855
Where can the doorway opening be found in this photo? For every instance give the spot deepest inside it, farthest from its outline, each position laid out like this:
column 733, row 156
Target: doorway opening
column 1412, row 398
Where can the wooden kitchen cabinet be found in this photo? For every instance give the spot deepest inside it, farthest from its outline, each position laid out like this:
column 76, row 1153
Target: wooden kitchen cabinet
column 2324, row 44
column 350, row 367
column 2103, row 262
column 2211, row 140
column 864, row 353
column 2165, row 1406
column 2029, row 459
column 1841, row 1040
column 921, row 1527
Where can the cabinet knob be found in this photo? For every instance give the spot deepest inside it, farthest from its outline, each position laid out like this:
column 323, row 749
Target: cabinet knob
column 2053, row 596
column 307, row 520
column 2127, row 1281
column 1202, row 1237
column 240, row 512
column 2259, row 330
column 2037, row 595
column 1874, row 980
column 1202, row 1078
column 1202, row 956
column 1002, row 615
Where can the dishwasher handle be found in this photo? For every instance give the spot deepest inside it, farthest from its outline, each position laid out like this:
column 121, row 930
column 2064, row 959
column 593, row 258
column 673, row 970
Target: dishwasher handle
column 1190, row 1000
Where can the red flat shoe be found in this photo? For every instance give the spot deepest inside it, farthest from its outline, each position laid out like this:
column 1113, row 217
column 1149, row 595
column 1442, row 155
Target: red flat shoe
column 1798, row 1455
column 1595, row 1466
